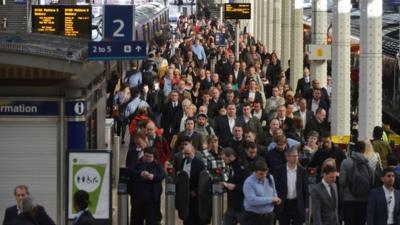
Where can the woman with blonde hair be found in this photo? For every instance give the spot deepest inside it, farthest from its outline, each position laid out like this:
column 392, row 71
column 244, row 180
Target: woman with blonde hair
column 374, row 160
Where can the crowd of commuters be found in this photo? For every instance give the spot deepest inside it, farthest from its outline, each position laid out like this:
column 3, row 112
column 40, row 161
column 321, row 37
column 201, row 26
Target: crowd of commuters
column 198, row 106
column 194, row 105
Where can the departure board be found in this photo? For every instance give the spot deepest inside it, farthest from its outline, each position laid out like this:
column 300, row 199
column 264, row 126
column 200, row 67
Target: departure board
column 70, row 21
column 237, row 11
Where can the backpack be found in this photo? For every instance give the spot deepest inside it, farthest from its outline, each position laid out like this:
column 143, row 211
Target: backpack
column 361, row 179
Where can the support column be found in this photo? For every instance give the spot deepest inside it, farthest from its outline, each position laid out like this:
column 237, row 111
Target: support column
column 285, row 36
column 263, row 22
column 319, row 29
column 253, row 20
column 370, row 85
column 259, row 19
column 270, row 25
column 296, row 46
column 277, row 26
column 340, row 98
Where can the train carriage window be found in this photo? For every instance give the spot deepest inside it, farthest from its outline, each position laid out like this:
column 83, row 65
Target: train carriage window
column 149, row 35
column 144, row 33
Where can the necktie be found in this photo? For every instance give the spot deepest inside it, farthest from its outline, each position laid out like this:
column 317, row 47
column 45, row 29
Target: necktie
column 188, row 161
column 333, row 195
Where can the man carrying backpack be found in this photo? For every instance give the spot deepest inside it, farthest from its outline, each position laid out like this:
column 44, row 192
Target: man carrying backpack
column 356, row 180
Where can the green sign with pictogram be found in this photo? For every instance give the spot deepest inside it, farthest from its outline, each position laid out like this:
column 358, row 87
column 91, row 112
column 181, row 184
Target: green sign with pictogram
column 90, row 171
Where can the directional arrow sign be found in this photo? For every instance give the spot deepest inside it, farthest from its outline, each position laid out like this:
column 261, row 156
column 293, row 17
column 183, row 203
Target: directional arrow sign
column 124, row 50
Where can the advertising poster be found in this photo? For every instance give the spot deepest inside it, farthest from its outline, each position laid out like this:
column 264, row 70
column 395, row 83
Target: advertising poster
column 90, row 171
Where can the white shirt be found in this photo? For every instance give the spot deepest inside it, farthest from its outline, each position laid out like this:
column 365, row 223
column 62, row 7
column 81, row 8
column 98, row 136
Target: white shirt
column 314, row 106
column 390, row 204
column 291, row 182
column 252, row 96
column 328, row 187
column 303, row 116
column 231, row 121
column 187, row 167
column 182, row 125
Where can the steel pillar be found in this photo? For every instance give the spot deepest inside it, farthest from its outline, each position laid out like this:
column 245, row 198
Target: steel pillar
column 319, row 29
column 296, row 46
column 263, row 22
column 270, row 25
column 252, row 15
column 285, row 36
column 277, row 26
column 370, row 85
column 258, row 19
column 340, row 98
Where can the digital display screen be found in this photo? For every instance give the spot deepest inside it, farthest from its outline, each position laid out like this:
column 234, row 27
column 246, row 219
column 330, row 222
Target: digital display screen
column 70, row 21
column 237, row 11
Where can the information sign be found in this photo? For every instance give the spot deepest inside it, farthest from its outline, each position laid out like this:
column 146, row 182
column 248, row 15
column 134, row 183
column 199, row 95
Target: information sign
column 121, row 50
column 237, row 11
column 90, row 171
column 70, row 21
column 118, row 20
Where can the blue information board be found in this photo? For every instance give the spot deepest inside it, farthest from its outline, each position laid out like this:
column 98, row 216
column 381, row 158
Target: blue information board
column 118, row 22
column 29, row 108
column 394, row 2
column 123, row 50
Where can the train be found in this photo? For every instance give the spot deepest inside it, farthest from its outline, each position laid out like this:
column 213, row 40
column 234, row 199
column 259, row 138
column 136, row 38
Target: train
column 390, row 59
column 149, row 18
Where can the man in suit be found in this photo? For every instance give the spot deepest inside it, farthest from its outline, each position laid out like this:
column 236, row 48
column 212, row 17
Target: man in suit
column 303, row 112
column 146, row 189
column 292, row 187
column 196, row 138
column 248, row 121
column 317, row 123
column 81, row 204
column 169, row 112
column 28, row 207
column 192, row 166
column 384, row 202
column 224, row 124
column 317, row 102
column 237, row 174
column 324, row 199
column 273, row 102
column 20, row 193
column 304, row 83
column 238, row 73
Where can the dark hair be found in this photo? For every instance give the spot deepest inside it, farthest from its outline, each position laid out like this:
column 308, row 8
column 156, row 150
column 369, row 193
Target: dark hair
column 229, row 152
column 325, row 135
column 81, row 199
column 152, row 151
column 260, row 165
column 392, row 160
column 190, row 118
column 388, row 170
column 329, row 169
column 378, row 132
column 359, row 146
column 249, row 145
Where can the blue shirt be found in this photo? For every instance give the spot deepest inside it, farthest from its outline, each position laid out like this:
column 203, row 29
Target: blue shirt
column 167, row 86
column 290, row 142
column 134, row 105
column 135, row 79
column 258, row 196
column 199, row 51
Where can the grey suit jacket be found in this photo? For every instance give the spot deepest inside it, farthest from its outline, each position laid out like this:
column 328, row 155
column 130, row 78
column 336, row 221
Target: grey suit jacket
column 324, row 209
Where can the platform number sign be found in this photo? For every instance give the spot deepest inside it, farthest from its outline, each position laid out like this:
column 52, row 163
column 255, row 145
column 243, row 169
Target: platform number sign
column 118, row 24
